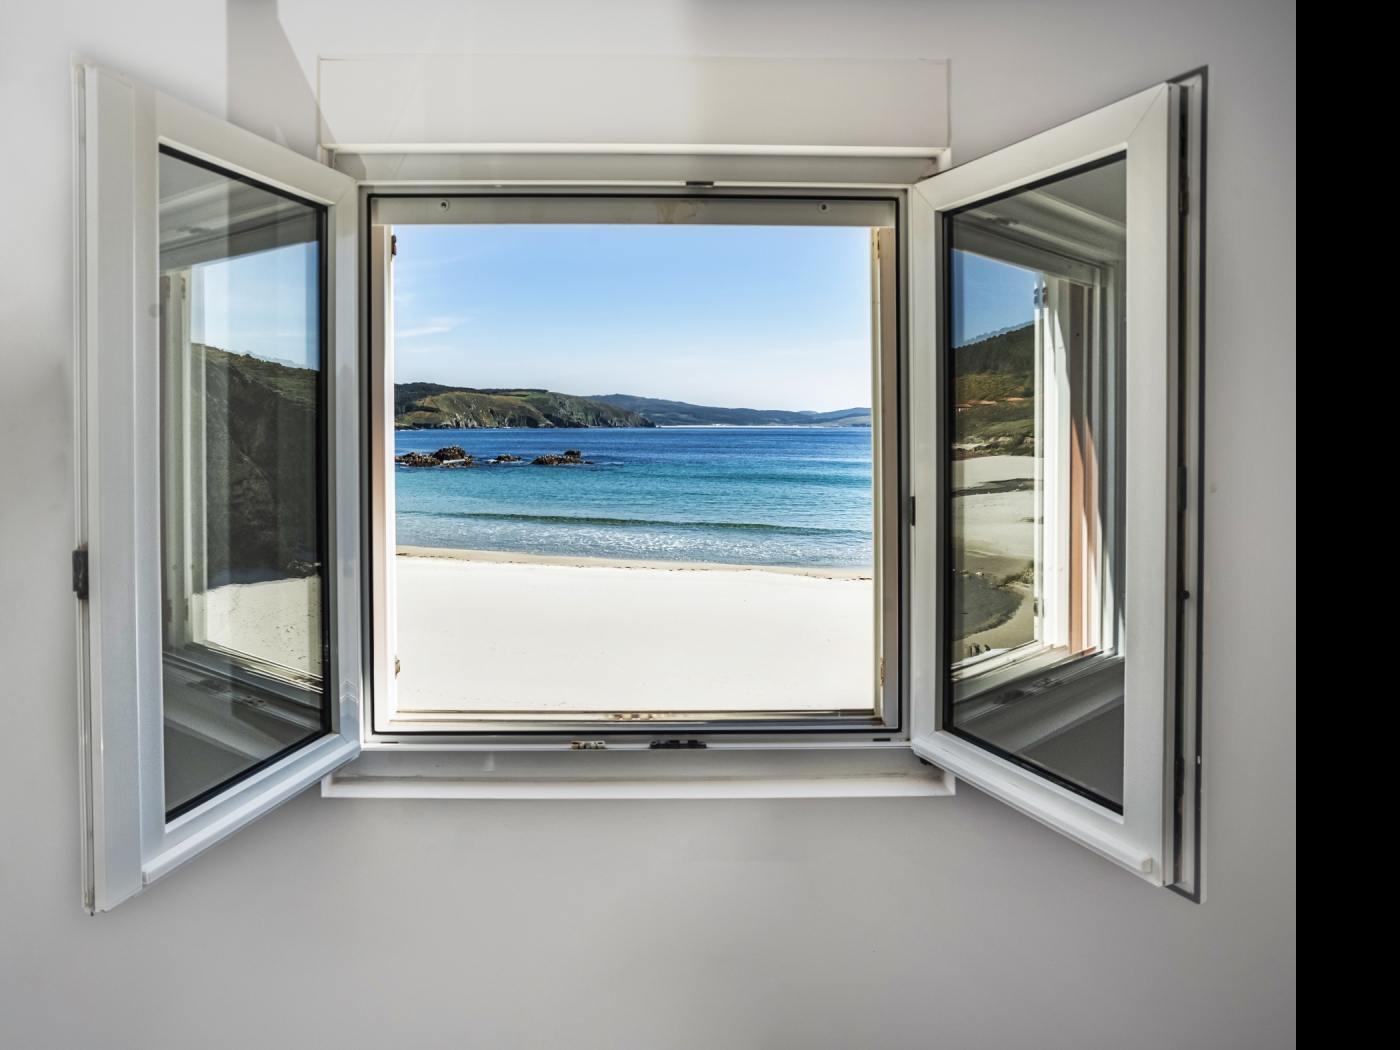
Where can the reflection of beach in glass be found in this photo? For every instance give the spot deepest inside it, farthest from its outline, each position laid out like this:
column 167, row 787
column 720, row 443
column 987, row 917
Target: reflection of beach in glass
column 994, row 504
column 241, row 525
column 1036, row 493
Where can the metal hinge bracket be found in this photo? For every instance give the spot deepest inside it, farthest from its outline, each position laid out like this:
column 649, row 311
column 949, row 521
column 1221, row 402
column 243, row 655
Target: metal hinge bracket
column 80, row 573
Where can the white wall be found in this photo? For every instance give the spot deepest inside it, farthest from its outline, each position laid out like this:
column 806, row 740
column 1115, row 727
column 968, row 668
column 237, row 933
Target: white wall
column 880, row 923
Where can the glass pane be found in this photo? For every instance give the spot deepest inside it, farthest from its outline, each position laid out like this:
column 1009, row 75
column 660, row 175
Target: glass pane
column 241, row 477
column 1036, row 530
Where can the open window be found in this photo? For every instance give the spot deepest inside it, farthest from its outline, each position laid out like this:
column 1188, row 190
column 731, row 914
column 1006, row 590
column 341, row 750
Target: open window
column 986, row 558
column 220, row 633
column 1055, row 402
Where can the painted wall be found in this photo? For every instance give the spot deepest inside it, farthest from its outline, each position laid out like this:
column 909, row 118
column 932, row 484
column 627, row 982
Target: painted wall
column 880, row 923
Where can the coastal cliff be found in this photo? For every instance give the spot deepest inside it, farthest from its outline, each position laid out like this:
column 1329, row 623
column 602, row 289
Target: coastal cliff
column 431, row 406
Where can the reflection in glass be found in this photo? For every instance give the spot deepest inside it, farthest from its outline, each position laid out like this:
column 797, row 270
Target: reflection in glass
column 241, row 522
column 1037, row 314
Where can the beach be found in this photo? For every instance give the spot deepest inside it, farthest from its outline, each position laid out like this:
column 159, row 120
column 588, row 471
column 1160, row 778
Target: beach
column 994, row 536
column 487, row 631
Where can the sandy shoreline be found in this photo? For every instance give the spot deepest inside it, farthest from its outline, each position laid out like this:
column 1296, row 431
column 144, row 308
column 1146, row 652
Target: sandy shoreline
column 994, row 533
column 485, row 631
column 512, row 558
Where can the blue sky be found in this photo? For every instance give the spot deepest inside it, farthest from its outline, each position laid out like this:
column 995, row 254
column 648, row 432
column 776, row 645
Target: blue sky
column 989, row 295
column 760, row 317
column 262, row 304
column 738, row 316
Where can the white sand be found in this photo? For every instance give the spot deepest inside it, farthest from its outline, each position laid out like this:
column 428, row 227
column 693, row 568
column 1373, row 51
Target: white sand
column 995, row 525
column 482, row 635
column 981, row 470
column 994, row 533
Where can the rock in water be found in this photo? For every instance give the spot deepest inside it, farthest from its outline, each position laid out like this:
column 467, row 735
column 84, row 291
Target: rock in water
column 571, row 457
column 451, row 456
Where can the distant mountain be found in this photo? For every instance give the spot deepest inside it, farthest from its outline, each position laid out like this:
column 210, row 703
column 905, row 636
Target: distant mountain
column 681, row 414
column 433, row 406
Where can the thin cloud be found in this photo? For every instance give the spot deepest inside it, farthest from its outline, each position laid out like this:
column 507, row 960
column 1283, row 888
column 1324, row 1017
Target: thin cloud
column 432, row 329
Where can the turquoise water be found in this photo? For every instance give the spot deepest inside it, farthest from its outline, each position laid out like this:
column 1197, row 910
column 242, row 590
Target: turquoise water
column 796, row 496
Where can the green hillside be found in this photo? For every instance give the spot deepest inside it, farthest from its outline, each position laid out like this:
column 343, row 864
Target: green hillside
column 994, row 395
column 1012, row 352
column 432, row 406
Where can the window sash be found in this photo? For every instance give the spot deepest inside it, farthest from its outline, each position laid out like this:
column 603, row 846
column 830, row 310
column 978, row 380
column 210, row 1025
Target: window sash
column 1145, row 128
column 120, row 126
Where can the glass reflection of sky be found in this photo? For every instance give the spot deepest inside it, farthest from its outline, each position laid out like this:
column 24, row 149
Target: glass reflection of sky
column 989, row 296
column 275, row 294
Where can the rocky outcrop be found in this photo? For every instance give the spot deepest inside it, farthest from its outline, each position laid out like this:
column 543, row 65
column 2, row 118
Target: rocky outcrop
column 572, row 457
column 451, row 456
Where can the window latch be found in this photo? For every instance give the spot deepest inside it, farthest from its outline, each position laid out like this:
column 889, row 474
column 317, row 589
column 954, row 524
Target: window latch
column 80, row 573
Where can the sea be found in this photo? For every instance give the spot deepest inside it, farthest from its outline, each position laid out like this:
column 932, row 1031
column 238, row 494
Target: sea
column 790, row 496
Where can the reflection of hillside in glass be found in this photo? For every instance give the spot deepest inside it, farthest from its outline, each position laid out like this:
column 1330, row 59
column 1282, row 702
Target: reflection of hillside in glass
column 1036, row 464
column 241, row 469
column 260, row 423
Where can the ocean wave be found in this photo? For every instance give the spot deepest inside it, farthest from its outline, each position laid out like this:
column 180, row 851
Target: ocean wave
column 562, row 519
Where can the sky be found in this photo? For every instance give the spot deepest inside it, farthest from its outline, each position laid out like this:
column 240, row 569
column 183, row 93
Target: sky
column 988, row 296
column 735, row 316
column 262, row 304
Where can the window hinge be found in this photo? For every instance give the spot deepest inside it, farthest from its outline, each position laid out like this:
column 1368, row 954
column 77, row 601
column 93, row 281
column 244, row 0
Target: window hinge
column 677, row 745
column 396, row 667
column 80, row 573
column 588, row 745
column 393, row 244
column 882, row 672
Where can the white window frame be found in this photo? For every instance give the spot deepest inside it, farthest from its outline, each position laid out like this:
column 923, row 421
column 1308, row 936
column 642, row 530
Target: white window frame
column 1148, row 127
column 385, row 725
column 120, row 126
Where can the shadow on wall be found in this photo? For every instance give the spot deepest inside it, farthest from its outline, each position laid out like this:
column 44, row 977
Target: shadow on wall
column 267, row 91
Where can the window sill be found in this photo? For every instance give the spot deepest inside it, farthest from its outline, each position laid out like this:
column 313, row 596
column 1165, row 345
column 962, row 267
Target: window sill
column 881, row 772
